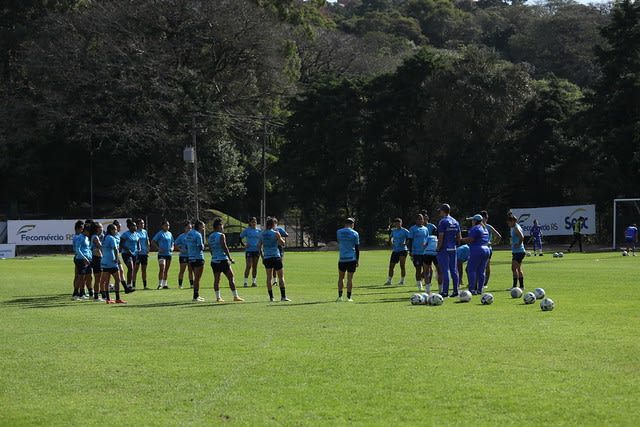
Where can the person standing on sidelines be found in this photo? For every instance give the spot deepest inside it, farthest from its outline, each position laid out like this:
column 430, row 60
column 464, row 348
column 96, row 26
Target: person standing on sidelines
column 96, row 250
column 517, row 251
column 220, row 260
column 478, row 240
column 142, row 259
column 268, row 244
column 577, row 233
column 163, row 242
column 110, row 266
column 349, row 242
column 284, row 235
column 195, row 249
column 252, row 254
column 183, row 259
column 536, row 236
column 417, row 242
column 448, row 235
column 398, row 241
column 130, row 245
column 494, row 236
column 82, row 260
column 631, row 238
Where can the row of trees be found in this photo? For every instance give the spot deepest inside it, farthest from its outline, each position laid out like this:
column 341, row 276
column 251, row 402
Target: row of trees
column 372, row 108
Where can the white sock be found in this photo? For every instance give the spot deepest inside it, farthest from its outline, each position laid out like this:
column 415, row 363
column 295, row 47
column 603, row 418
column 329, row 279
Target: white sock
column 402, row 279
column 419, row 283
column 246, row 280
column 253, row 281
column 389, row 279
column 217, row 294
column 235, row 293
column 427, row 288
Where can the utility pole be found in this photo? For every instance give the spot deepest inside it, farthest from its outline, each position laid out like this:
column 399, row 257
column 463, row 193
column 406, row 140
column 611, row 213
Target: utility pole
column 195, row 167
column 263, row 203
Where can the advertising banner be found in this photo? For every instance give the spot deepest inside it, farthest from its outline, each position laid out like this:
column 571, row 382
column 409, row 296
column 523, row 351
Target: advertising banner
column 557, row 220
column 46, row 232
column 7, row 251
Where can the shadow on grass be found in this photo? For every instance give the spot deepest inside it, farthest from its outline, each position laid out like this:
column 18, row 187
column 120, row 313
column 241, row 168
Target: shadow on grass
column 44, row 301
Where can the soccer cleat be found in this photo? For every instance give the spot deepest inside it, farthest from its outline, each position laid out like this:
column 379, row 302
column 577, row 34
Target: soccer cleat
column 198, row 299
column 219, row 300
column 275, row 284
column 455, row 294
column 98, row 299
column 120, row 301
column 253, row 285
column 75, row 298
column 110, row 301
column 246, row 285
column 238, row 299
column 339, row 299
column 159, row 287
column 272, row 299
column 165, row 287
column 387, row 283
column 128, row 289
column 285, row 299
column 400, row 284
column 180, row 287
column 349, row 300
column 85, row 296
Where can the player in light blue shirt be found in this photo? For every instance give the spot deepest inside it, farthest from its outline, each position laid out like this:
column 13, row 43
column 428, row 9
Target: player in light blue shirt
column 142, row 258
column 430, row 254
column 448, row 236
column 163, row 243
column 130, row 246
column 349, row 243
column 270, row 241
column 398, row 236
column 631, row 238
column 82, row 260
column 536, row 236
column 417, row 242
column 195, row 250
column 221, row 260
column 251, row 235
column 110, row 265
column 478, row 240
column 284, row 235
column 183, row 259
column 517, row 250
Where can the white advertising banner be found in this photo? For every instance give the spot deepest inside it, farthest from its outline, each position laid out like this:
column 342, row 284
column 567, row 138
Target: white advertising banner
column 46, row 232
column 7, row 251
column 557, row 220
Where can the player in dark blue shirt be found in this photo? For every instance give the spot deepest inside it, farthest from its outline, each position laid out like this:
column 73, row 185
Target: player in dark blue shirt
column 631, row 238
column 536, row 236
column 449, row 235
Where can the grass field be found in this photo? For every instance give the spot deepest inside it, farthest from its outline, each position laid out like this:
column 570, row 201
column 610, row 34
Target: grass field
column 163, row 360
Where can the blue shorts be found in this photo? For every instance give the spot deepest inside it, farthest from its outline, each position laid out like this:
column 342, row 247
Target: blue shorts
column 395, row 256
column 348, row 266
column 196, row 263
column 184, row 259
column 275, row 263
column 81, row 267
column 252, row 254
column 142, row 259
column 96, row 264
column 220, row 266
column 630, row 240
column 126, row 257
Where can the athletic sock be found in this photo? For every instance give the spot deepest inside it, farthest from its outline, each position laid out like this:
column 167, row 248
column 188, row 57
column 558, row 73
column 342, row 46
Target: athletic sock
column 515, row 282
column 340, row 294
column 348, row 295
column 389, row 279
column 195, row 294
column 179, row 282
column 106, row 295
column 134, row 284
column 253, row 281
column 283, row 292
column 427, row 288
column 217, row 294
column 117, row 294
column 271, row 294
column 75, row 293
column 402, row 279
column 521, row 280
column 235, row 293
column 144, row 283
column 191, row 282
column 124, row 284
column 246, row 280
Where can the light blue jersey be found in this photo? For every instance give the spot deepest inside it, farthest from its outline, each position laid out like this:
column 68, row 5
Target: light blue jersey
column 399, row 236
column 130, row 242
column 215, row 246
column 450, row 229
column 270, row 244
column 253, row 237
column 100, row 237
column 164, row 240
column 433, row 230
column 463, row 252
column 181, row 241
column 195, row 246
column 418, row 236
column 348, row 238
column 516, row 247
column 82, row 247
column 432, row 245
column 109, row 249
column 143, row 236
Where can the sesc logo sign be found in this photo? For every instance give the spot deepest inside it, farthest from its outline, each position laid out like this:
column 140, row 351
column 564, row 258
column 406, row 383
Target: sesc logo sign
column 557, row 220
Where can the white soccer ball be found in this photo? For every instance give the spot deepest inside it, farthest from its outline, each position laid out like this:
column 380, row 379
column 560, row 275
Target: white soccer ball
column 425, row 297
column 560, row 254
column 416, row 299
column 516, row 292
column 547, row 304
column 556, row 255
column 529, row 298
column 436, row 299
column 486, row 299
column 465, row 296
column 528, row 253
column 625, row 253
column 539, row 293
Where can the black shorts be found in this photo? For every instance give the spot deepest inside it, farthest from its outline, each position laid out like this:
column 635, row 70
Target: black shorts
column 348, row 266
column 275, row 263
column 142, row 259
column 395, row 256
column 518, row 257
column 252, row 254
column 196, row 263
column 167, row 257
column 183, row 259
column 418, row 260
column 220, row 267
column 96, row 266
column 81, row 267
column 126, row 257
column 110, row 270
column 430, row 259
column 490, row 252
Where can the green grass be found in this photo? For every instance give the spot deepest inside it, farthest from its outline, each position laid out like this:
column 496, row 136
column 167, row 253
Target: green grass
column 163, row 360
column 231, row 224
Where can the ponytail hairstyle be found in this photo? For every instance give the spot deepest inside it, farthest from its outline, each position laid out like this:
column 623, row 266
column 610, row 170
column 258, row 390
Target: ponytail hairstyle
column 269, row 223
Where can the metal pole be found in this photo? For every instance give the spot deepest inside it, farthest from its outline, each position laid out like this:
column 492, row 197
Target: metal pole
column 615, row 202
column 263, row 207
column 91, row 178
column 195, row 168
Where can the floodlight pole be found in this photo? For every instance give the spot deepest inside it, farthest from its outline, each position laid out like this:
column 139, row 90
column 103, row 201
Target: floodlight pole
column 263, row 204
column 195, row 167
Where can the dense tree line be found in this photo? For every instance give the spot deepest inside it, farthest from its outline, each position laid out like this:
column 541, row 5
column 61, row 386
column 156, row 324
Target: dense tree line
column 372, row 108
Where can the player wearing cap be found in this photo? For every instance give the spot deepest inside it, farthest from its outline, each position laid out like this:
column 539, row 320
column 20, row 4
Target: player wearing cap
column 517, row 250
column 448, row 235
column 398, row 241
column 349, row 241
column 478, row 240
column 631, row 237
column 536, row 236
column 417, row 242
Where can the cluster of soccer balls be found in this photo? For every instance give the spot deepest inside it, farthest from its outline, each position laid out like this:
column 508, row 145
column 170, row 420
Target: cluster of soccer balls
column 558, row 254
column 546, row 304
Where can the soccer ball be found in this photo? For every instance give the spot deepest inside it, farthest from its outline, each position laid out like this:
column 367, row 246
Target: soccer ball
column 528, row 253
column 539, row 293
column 436, row 299
column 486, row 299
column 529, row 298
column 560, row 254
column 425, row 298
column 416, row 299
column 547, row 304
column 516, row 292
column 625, row 253
column 556, row 255
column 465, row 296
